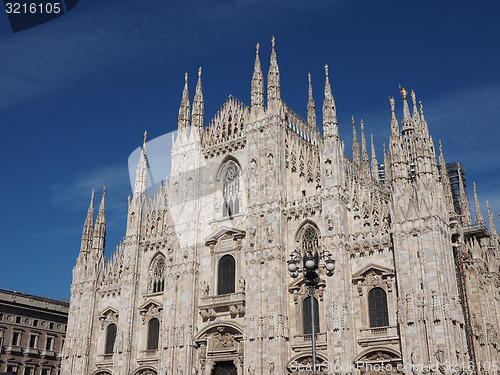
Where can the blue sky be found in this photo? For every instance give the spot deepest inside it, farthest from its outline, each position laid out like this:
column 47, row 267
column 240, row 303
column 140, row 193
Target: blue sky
column 77, row 93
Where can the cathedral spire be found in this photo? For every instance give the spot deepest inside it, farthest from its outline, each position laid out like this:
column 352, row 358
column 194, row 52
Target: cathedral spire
column 330, row 125
column 88, row 227
column 141, row 174
column 479, row 216
column 406, row 109
column 355, row 144
column 387, row 169
column 273, row 80
column 99, row 235
column 491, row 222
column 311, row 107
column 374, row 161
column 421, row 111
column 184, row 109
column 445, row 181
column 415, row 110
column 365, row 161
column 464, row 202
column 257, row 89
column 198, row 115
column 394, row 120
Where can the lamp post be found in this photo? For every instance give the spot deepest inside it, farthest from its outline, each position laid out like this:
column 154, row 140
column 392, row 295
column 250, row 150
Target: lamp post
column 310, row 258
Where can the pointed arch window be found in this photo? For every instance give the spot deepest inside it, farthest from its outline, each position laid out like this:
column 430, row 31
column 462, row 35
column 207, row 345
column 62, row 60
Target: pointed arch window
column 157, row 275
column 306, row 315
column 153, row 334
column 377, row 308
column 226, row 275
column 110, row 339
column 231, row 191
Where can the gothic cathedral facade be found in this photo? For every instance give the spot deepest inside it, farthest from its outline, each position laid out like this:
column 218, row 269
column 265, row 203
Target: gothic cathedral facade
column 200, row 284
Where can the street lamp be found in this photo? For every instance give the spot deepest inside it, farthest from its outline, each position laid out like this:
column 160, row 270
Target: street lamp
column 310, row 258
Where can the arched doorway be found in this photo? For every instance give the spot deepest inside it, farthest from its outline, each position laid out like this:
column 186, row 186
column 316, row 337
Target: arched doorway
column 224, row 368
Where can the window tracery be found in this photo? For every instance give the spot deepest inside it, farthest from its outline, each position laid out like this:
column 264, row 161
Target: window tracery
column 231, row 190
column 310, row 242
column 157, row 275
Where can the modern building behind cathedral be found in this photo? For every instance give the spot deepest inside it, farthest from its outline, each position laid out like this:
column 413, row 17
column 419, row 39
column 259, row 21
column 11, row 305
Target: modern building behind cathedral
column 199, row 284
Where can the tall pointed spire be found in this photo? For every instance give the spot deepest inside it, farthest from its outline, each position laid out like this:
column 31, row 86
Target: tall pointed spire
column 479, row 216
column 387, row 169
column 445, row 181
column 257, row 89
column 415, row 110
column 355, row 144
column 374, row 161
column 273, row 80
column 184, row 109
column 394, row 120
column 141, row 174
column 464, row 202
column 198, row 115
column 365, row 161
column 99, row 235
column 491, row 222
column 330, row 125
column 311, row 107
column 88, row 227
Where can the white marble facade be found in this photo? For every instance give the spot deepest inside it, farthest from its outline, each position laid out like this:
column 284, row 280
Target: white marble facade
column 200, row 285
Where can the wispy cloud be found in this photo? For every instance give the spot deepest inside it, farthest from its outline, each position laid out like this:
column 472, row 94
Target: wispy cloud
column 75, row 193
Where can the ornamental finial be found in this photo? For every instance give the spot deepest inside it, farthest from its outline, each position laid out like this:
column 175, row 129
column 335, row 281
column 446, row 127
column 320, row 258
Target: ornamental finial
column 326, row 69
column 199, row 72
column 145, row 136
column 186, row 77
column 257, row 47
column 404, row 93
column 273, row 41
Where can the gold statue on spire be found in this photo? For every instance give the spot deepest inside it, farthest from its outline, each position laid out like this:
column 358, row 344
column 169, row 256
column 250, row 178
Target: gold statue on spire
column 404, row 93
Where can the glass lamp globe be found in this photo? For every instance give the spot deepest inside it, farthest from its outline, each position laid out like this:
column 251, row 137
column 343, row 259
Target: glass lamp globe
column 330, row 265
column 310, row 264
column 292, row 266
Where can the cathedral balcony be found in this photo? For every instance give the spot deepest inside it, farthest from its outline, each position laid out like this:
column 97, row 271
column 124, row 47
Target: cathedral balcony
column 476, row 231
column 232, row 304
column 378, row 335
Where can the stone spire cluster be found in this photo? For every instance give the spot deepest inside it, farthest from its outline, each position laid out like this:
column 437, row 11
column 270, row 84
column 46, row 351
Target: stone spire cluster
column 330, row 124
column 273, row 81
column 257, row 88
column 184, row 109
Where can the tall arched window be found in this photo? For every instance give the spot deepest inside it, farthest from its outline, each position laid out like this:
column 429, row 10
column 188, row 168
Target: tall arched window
column 110, row 339
column 377, row 308
column 231, row 190
column 226, row 275
column 153, row 334
column 306, row 315
column 157, row 275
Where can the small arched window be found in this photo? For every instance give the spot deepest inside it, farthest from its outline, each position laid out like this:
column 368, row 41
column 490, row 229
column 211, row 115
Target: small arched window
column 157, row 276
column 307, row 316
column 377, row 308
column 153, row 334
column 226, row 275
column 231, row 191
column 110, row 339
